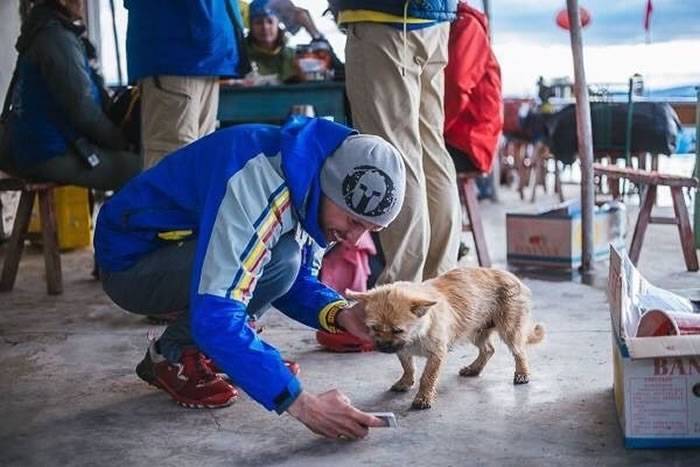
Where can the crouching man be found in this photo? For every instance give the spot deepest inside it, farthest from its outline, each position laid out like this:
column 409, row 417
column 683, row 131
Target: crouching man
column 218, row 230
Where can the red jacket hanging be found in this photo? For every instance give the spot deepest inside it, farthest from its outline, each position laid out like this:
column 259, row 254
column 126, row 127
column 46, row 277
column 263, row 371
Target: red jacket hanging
column 473, row 100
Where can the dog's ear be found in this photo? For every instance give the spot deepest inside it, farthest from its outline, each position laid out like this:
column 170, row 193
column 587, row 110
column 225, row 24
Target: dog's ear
column 357, row 296
column 420, row 306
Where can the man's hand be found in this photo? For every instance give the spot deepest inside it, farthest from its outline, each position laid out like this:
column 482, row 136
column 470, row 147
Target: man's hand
column 352, row 319
column 331, row 415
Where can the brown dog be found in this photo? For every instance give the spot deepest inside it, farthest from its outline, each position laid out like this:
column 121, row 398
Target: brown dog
column 427, row 319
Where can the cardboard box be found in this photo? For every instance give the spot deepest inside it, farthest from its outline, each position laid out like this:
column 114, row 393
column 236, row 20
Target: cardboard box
column 554, row 238
column 656, row 379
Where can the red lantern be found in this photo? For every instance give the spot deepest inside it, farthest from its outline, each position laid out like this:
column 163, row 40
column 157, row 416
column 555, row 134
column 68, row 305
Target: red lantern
column 563, row 18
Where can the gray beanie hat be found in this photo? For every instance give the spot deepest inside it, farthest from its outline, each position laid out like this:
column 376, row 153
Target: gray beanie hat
column 366, row 177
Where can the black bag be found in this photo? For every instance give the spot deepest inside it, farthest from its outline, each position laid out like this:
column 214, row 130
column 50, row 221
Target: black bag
column 655, row 128
column 124, row 110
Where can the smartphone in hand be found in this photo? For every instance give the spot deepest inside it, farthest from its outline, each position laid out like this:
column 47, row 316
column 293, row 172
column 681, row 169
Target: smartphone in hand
column 388, row 418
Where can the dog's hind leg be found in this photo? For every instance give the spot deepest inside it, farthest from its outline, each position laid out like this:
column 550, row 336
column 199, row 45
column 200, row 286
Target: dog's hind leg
column 482, row 340
column 513, row 329
column 518, row 347
column 522, row 372
column 409, row 370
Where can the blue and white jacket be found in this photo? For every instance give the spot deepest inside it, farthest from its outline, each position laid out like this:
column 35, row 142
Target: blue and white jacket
column 239, row 190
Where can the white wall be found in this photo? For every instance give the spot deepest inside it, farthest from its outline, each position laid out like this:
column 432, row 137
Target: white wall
column 9, row 30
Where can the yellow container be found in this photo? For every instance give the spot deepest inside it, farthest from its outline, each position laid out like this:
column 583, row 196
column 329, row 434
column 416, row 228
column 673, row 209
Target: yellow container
column 70, row 204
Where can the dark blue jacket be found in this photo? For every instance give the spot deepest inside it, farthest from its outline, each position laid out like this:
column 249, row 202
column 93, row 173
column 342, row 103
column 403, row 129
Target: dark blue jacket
column 440, row 10
column 182, row 38
column 56, row 96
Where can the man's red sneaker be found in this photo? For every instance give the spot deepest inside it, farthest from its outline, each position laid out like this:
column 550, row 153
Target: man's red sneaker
column 190, row 383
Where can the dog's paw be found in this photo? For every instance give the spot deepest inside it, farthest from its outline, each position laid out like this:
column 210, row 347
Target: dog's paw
column 421, row 403
column 469, row 371
column 521, row 378
column 401, row 386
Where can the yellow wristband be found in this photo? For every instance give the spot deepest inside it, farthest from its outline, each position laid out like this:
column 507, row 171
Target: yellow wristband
column 327, row 316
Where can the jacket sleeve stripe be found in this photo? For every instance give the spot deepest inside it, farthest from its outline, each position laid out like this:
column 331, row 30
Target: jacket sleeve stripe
column 252, row 257
column 270, row 202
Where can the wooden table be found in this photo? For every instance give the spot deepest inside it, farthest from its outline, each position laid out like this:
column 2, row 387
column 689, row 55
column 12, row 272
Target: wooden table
column 271, row 104
column 652, row 180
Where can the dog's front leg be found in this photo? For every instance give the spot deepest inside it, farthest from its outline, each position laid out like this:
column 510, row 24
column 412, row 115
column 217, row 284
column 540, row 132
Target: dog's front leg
column 409, row 370
column 429, row 380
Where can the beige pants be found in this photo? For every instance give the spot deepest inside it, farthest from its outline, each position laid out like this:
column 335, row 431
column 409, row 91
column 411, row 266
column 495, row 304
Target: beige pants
column 408, row 111
column 176, row 110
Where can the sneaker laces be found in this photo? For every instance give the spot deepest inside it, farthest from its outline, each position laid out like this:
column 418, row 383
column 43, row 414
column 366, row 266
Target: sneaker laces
column 195, row 367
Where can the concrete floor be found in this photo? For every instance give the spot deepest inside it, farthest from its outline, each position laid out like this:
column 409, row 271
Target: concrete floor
column 69, row 395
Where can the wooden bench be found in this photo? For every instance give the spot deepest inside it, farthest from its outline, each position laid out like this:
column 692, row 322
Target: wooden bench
column 651, row 180
column 52, row 258
column 467, row 194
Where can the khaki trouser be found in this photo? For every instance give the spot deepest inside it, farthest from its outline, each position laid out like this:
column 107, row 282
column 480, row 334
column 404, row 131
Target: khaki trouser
column 175, row 111
column 408, row 111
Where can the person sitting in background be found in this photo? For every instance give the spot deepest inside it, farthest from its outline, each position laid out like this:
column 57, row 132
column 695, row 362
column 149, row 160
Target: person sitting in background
column 266, row 43
column 54, row 120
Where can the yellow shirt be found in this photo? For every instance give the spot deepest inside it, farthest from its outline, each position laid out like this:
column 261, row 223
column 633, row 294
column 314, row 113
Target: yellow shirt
column 370, row 16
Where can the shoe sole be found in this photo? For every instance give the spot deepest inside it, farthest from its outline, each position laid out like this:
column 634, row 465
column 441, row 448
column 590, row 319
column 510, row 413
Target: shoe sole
column 143, row 372
column 190, row 405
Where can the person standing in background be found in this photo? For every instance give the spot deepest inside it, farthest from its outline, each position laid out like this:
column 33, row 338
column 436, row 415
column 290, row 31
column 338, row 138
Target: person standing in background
column 396, row 53
column 473, row 98
column 177, row 51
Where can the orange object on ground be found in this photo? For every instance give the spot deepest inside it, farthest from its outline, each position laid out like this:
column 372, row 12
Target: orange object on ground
column 343, row 342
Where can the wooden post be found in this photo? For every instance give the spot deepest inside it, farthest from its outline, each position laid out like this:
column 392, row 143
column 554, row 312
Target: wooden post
column 628, row 128
column 696, row 209
column 584, row 134
column 495, row 174
column 116, row 42
column 487, row 13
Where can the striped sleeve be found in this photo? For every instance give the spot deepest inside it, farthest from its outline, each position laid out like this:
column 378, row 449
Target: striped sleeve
column 256, row 250
column 253, row 214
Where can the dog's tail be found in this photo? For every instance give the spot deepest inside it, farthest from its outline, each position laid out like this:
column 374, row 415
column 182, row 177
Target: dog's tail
column 536, row 334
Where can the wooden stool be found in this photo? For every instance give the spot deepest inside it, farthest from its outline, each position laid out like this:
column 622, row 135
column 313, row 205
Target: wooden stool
column 467, row 194
column 52, row 257
column 652, row 180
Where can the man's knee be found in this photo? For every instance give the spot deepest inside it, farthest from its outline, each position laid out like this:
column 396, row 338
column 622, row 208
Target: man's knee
column 284, row 264
column 278, row 276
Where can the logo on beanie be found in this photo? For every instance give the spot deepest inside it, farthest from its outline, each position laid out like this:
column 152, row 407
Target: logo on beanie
column 368, row 191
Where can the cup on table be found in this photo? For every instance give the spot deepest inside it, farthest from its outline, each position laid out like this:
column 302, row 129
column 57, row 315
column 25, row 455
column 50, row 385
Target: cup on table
column 303, row 109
